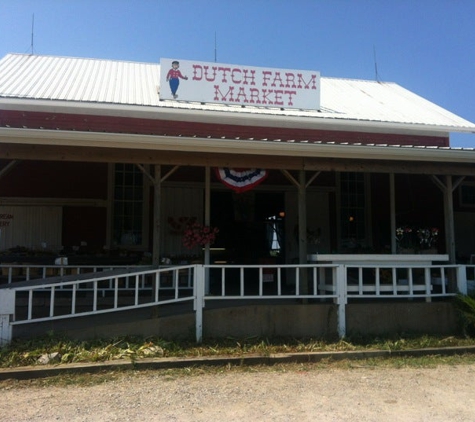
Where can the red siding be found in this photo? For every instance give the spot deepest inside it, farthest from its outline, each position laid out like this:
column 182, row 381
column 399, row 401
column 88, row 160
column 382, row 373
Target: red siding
column 38, row 179
column 36, row 120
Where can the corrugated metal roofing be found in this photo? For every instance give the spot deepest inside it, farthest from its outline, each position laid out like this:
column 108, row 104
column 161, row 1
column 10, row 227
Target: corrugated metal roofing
column 116, row 83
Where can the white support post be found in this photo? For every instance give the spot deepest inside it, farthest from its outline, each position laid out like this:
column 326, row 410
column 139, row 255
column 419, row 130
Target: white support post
column 207, row 257
column 342, row 299
column 462, row 279
column 7, row 312
column 428, row 283
column 392, row 212
column 199, row 288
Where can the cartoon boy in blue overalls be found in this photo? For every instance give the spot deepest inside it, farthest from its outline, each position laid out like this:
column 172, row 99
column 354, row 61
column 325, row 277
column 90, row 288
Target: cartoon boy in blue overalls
column 173, row 76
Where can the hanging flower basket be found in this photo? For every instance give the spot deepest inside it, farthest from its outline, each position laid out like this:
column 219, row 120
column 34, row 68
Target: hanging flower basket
column 199, row 235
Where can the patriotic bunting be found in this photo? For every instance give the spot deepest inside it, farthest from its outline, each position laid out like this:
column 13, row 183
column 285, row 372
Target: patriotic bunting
column 240, row 180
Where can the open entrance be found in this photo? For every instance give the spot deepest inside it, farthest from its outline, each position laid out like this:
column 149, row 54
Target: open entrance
column 251, row 227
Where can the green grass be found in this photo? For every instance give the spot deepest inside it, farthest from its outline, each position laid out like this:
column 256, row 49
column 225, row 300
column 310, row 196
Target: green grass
column 27, row 352
column 109, row 376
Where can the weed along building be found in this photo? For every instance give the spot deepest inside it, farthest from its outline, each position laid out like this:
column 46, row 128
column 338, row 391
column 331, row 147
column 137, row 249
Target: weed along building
column 280, row 199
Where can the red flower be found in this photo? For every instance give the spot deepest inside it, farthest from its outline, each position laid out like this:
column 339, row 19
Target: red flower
column 199, row 235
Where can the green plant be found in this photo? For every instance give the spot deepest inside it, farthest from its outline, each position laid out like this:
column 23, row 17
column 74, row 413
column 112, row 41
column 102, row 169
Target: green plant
column 465, row 305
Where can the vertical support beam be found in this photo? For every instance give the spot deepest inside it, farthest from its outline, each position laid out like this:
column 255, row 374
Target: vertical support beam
column 462, row 279
column 199, row 288
column 447, row 191
column 207, row 221
column 302, row 200
column 7, row 313
column 157, row 200
column 449, row 219
column 342, row 299
column 392, row 212
column 110, row 201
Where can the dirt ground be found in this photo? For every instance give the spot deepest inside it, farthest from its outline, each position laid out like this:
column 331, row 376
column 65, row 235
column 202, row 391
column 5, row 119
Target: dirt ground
column 305, row 393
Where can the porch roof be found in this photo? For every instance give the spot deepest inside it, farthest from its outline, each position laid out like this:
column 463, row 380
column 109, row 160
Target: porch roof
column 120, row 88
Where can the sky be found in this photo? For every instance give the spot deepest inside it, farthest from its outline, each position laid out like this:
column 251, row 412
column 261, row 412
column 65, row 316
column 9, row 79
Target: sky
column 426, row 46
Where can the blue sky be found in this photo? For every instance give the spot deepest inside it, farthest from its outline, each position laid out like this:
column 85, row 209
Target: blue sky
column 426, row 46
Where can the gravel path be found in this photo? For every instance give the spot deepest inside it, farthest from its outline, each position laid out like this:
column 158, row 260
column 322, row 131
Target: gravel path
column 445, row 393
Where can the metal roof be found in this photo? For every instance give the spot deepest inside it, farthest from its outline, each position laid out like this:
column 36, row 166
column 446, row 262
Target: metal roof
column 114, row 84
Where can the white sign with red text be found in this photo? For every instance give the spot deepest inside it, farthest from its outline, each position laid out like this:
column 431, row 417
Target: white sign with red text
column 240, row 85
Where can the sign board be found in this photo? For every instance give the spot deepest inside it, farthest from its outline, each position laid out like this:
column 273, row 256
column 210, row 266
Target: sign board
column 206, row 82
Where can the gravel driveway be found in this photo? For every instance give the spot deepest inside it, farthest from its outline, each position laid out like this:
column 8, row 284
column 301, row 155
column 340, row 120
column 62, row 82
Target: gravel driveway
column 287, row 393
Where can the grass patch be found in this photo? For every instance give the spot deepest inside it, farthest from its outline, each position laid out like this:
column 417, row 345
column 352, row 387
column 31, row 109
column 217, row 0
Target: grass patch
column 169, row 375
column 27, row 352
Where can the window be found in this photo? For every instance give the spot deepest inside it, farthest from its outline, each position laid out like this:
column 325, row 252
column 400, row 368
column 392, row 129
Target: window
column 467, row 194
column 128, row 208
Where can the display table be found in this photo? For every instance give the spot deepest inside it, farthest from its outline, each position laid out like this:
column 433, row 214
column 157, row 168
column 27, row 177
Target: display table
column 378, row 259
column 359, row 287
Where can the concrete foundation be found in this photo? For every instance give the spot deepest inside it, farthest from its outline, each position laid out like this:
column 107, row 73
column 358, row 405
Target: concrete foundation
column 271, row 321
column 260, row 320
column 390, row 318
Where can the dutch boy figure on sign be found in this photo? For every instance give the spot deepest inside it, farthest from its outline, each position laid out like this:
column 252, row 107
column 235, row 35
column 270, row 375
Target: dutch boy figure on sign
column 173, row 77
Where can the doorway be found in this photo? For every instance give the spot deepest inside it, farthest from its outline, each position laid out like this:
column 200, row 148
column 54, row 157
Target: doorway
column 251, row 227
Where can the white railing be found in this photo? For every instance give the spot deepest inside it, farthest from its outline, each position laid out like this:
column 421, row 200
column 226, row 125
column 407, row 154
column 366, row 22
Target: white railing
column 270, row 281
column 399, row 281
column 122, row 289
column 14, row 273
column 24, row 272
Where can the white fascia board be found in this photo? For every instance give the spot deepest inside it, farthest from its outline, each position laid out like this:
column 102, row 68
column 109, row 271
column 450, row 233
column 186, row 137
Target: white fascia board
column 239, row 117
column 232, row 146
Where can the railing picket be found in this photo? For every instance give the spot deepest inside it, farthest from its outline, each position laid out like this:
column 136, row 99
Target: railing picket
column 30, row 304
column 94, row 298
column 297, row 281
column 137, row 281
column 261, row 281
column 51, row 301
column 241, row 281
column 279, row 281
column 428, row 284
column 116, row 292
column 377, row 282
column 177, row 282
column 315, row 280
column 157, row 286
column 394, row 280
column 443, row 280
column 223, row 281
column 73, row 301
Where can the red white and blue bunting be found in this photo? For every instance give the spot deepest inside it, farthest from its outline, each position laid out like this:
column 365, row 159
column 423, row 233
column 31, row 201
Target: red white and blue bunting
column 241, row 180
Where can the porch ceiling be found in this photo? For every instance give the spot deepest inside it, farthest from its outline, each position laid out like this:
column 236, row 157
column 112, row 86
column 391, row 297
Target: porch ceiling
column 271, row 154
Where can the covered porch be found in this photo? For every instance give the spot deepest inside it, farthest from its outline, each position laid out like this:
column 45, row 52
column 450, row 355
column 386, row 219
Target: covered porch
column 307, row 206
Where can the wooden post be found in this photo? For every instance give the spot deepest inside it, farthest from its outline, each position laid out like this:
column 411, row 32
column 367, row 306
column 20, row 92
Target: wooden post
column 157, row 193
column 449, row 219
column 392, row 211
column 302, row 200
column 447, row 189
column 207, row 222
